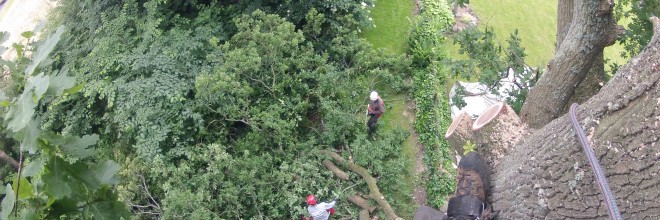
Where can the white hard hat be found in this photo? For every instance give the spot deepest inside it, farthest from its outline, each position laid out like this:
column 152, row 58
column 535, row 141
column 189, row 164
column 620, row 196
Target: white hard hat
column 373, row 96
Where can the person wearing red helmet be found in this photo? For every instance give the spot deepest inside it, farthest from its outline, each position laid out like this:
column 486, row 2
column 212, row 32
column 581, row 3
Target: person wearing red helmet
column 320, row 211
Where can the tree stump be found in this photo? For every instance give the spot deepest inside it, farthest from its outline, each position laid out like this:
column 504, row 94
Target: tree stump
column 497, row 130
column 460, row 131
column 335, row 170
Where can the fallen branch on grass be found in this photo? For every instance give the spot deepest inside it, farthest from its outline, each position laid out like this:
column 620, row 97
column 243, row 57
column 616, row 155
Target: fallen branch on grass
column 371, row 183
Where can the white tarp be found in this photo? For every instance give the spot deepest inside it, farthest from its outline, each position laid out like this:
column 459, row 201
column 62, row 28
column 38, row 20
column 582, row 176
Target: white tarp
column 479, row 97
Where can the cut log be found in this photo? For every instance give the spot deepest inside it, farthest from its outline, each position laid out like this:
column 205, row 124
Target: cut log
column 496, row 130
column 335, row 170
column 359, row 201
column 364, row 215
column 460, row 131
column 374, row 191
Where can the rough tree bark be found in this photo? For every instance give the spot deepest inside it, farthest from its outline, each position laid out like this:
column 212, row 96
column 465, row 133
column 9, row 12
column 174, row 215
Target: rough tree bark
column 591, row 29
column 547, row 175
column 595, row 77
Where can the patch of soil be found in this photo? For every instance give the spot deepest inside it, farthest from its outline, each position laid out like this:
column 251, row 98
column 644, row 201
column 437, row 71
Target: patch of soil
column 419, row 192
column 464, row 17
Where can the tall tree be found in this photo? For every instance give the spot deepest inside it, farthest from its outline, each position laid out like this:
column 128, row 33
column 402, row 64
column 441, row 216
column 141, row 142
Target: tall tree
column 547, row 175
column 585, row 28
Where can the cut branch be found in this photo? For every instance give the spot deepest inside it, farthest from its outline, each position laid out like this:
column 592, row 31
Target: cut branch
column 374, row 191
column 460, row 131
column 498, row 129
column 361, row 202
column 335, row 170
column 364, row 215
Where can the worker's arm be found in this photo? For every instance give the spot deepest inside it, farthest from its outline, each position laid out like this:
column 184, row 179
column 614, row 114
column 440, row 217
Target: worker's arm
column 329, row 205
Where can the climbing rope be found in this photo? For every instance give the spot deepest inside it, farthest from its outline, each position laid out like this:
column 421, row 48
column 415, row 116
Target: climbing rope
column 612, row 208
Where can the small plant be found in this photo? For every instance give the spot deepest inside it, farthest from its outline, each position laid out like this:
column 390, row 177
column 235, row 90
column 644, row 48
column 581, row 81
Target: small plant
column 469, row 147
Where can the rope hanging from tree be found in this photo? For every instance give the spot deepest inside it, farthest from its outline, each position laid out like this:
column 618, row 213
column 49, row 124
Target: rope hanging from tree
column 612, row 209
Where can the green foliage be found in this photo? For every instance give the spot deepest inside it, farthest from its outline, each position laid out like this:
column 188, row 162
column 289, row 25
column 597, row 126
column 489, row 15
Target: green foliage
column 488, row 62
column 469, row 147
column 427, row 46
column 57, row 182
column 639, row 30
column 217, row 110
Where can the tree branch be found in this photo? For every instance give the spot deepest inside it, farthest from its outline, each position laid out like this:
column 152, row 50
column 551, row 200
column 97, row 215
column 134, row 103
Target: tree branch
column 374, row 191
column 8, row 160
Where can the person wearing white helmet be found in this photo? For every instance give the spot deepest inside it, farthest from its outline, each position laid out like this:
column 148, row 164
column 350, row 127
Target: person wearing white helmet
column 375, row 109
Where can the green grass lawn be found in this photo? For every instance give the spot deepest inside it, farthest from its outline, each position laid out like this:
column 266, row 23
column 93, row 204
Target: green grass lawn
column 536, row 22
column 392, row 19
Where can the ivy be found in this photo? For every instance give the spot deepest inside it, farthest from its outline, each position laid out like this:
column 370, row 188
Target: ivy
column 427, row 47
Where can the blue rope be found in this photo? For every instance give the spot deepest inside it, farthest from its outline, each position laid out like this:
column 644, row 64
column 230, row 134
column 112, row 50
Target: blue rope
column 612, row 208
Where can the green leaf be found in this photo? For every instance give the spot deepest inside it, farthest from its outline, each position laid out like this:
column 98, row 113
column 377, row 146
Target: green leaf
column 28, row 214
column 72, row 145
column 39, row 83
column 27, row 34
column 21, row 111
column 28, row 136
column 43, row 49
column 4, row 102
column 62, row 207
column 106, row 172
column 60, row 83
column 7, row 203
column 85, row 175
column 4, row 36
column 56, row 179
column 26, row 189
column 33, row 168
column 109, row 210
column 74, row 89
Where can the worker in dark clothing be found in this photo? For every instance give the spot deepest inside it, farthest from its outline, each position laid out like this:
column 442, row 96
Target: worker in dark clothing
column 375, row 109
column 469, row 201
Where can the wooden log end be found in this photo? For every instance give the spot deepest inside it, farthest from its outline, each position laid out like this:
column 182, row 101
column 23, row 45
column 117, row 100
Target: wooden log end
column 487, row 116
column 461, row 117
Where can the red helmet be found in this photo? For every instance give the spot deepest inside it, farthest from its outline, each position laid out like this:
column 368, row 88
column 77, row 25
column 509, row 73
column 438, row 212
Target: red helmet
column 311, row 199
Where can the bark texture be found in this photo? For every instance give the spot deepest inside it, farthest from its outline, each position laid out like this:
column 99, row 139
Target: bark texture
column 497, row 130
column 335, row 170
column 591, row 29
column 596, row 76
column 547, row 176
column 361, row 202
column 459, row 132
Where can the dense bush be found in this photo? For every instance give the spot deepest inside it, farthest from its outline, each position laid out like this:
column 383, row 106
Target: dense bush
column 217, row 109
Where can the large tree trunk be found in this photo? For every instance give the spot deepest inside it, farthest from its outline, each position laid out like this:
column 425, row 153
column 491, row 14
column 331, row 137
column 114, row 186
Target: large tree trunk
column 595, row 77
column 547, row 175
column 580, row 42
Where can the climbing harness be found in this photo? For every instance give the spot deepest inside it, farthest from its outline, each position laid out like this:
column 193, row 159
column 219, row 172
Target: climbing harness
column 612, row 208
